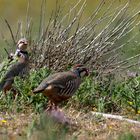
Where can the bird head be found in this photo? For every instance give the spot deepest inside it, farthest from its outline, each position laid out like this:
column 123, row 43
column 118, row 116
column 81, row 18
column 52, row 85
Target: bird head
column 81, row 70
column 22, row 44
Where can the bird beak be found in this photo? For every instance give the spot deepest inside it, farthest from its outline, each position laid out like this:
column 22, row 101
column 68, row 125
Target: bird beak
column 25, row 43
column 87, row 72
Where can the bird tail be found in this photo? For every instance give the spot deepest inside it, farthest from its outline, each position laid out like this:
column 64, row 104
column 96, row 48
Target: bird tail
column 37, row 90
column 40, row 88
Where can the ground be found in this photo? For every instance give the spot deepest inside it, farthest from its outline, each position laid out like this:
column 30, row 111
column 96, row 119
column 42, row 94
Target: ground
column 14, row 126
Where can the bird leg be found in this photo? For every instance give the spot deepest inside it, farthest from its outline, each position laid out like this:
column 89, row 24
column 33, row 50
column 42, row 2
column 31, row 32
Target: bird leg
column 15, row 92
column 50, row 106
column 56, row 107
column 12, row 89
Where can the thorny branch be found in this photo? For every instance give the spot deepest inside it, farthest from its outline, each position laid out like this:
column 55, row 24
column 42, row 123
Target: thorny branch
column 96, row 41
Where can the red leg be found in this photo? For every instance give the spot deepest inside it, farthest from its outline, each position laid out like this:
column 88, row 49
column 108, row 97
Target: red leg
column 56, row 107
column 49, row 106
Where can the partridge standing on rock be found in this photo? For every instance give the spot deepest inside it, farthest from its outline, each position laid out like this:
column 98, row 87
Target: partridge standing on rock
column 17, row 69
column 61, row 86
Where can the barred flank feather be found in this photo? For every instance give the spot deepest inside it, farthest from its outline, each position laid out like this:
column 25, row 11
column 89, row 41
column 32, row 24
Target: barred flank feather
column 62, row 85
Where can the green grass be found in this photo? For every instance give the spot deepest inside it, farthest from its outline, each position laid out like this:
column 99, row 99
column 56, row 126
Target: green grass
column 127, row 136
column 109, row 96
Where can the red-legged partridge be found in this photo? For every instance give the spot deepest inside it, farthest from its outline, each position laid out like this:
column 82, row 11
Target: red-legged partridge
column 61, row 86
column 17, row 69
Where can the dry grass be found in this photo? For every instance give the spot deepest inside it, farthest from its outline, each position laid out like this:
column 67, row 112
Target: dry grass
column 14, row 125
column 85, row 126
column 89, row 127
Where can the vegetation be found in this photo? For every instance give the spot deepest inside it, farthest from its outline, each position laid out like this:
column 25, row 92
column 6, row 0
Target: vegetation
column 117, row 98
column 99, row 42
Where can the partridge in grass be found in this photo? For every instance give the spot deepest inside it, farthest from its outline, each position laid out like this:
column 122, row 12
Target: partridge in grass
column 21, row 46
column 61, row 86
column 17, row 69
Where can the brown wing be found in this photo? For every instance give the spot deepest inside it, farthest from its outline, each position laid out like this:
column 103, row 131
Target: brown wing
column 15, row 70
column 66, row 83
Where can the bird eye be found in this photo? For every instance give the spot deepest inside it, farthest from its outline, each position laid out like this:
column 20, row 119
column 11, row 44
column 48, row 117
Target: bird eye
column 87, row 72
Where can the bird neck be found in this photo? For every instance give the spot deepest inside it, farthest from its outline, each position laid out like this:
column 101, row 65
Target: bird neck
column 18, row 51
column 77, row 73
column 23, row 56
column 24, row 52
